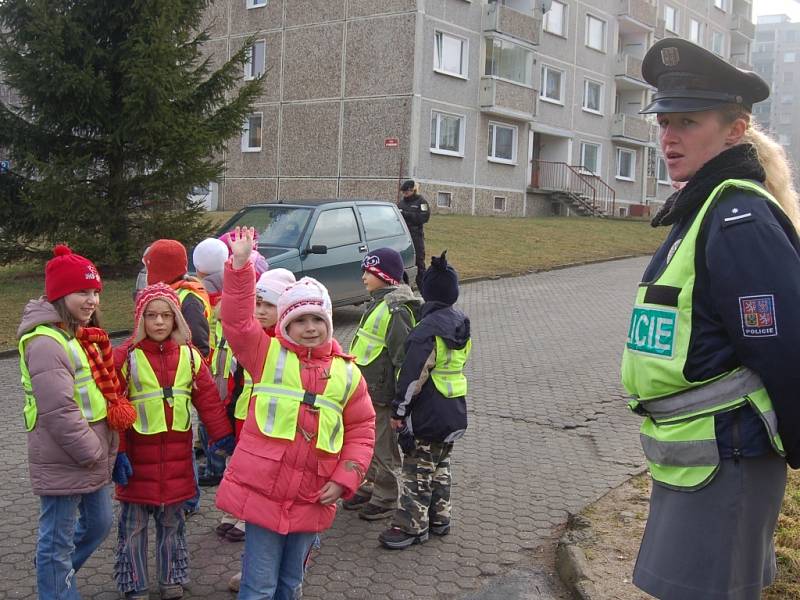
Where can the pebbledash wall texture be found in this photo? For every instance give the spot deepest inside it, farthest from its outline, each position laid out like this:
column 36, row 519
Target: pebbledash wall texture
column 481, row 101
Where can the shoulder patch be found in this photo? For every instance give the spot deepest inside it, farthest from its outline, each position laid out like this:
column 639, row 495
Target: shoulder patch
column 759, row 318
column 734, row 216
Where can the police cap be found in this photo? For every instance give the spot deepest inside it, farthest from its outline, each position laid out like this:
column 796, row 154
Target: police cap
column 689, row 78
column 407, row 186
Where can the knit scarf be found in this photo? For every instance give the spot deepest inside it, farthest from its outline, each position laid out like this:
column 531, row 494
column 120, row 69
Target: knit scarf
column 738, row 162
column 120, row 414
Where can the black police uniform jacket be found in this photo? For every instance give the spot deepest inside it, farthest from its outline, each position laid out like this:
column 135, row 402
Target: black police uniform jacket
column 433, row 416
column 754, row 254
column 415, row 211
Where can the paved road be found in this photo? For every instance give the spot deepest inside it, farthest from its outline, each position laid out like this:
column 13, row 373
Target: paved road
column 549, row 433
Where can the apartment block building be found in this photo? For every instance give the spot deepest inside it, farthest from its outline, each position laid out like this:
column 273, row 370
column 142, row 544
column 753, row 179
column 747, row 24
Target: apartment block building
column 776, row 57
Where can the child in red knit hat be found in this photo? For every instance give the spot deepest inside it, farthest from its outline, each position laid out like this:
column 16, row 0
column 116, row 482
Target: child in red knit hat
column 73, row 411
column 165, row 375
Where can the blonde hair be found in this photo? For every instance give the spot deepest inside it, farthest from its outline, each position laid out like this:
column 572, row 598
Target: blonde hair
column 773, row 160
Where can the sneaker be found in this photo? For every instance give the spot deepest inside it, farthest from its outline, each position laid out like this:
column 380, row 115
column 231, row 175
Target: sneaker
column 190, row 512
column 140, row 595
column 209, row 480
column 223, row 528
column 235, row 582
column 397, row 539
column 356, row 501
column 171, row 591
column 234, row 534
column 440, row 529
column 372, row 512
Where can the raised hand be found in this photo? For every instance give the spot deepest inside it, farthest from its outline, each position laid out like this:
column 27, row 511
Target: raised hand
column 242, row 245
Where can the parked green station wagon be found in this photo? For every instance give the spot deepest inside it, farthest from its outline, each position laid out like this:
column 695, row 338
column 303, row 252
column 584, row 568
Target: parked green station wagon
column 327, row 239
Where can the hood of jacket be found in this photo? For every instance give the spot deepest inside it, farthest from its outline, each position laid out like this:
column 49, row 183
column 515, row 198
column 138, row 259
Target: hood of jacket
column 37, row 312
column 402, row 294
column 213, row 283
column 445, row 321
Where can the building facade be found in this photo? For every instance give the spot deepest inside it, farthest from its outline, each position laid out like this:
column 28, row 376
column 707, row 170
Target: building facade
column 776, row 57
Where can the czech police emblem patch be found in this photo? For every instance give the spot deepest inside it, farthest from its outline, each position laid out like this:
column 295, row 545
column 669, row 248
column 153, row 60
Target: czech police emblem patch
column 758, row 316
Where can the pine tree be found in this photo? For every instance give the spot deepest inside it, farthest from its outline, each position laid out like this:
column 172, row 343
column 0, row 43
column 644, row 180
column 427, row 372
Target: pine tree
column 119, row 115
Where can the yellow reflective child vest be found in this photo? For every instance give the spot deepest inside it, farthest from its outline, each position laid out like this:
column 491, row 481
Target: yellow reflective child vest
column 279, row 394
column 448, row 371
column 370, row 338
column 148, row 397
column 87, row 395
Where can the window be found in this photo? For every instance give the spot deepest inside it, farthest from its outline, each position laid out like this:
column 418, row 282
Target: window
column 592, row 96
column 251, row 136
column 256, row 3
column 717, row 43
column 671, row 18
column 380, row 221
column 502, row 143
column 552, row 84
column 510, row 61
column 555, row 19
column 626, row 164
column 696, row 32
column 784, row 140
column 590, row 157
column 595, row 33
column 447, row 133
column 720, row 4
column 663, row 174
column 787, row 99
column 765, row 36
column 500, row 203
column 788, row 57
column 444, row 199
column 337, row 227
column 255, row 63
column 451, row 55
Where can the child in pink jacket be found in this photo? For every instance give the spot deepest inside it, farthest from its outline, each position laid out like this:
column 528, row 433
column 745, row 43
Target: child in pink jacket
column 309, row 433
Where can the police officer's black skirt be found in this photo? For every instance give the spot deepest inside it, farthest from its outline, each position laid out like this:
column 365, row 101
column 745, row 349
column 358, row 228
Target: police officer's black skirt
column 715, row 543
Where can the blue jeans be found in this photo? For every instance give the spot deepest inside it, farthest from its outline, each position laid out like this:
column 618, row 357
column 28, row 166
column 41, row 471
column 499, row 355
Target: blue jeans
column 192, row 505
column 70, row 529
column 215, row 464
column 273, row 565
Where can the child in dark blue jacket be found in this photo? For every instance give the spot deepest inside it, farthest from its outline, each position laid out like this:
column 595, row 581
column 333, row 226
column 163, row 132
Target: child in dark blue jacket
column 430, row 409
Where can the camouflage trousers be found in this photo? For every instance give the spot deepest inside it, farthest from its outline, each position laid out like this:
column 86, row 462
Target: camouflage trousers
column 382, row 480
column 425, row 497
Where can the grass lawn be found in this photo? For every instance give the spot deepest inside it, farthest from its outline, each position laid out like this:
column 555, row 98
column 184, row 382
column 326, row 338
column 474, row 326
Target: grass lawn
column 787, row 545
column 476, row 246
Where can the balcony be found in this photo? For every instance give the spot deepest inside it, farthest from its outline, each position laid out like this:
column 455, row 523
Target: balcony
column 503, row 19
column 743, row 26
column 741, row 62
column 636, row 15
column 506, row 99
column 628, row 73
column 632, row 129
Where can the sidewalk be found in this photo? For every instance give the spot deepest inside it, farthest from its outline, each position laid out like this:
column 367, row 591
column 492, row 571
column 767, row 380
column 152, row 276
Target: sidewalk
column 549, row 433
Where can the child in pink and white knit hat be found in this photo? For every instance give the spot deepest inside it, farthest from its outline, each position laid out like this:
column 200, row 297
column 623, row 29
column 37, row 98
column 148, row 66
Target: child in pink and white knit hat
column 306, row 297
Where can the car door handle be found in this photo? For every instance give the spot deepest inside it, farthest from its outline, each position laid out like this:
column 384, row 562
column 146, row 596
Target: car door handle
column 362, row 248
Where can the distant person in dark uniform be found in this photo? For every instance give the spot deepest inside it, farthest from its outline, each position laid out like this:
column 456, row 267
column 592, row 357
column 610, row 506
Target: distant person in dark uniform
column 416, row 212
column 713, row 343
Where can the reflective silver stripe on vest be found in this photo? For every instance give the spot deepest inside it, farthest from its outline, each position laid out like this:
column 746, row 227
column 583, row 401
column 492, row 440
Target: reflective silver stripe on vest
column 348, row 384
column 373, row 335
column 737, row 384
column 82, row 377
column 142, row 412
column 269, row 424
column 695, row 453
column 176, row 392
column 281, row 365
column 327, row 404
column 334, row 433
column 133, row 368
column 771, row 419
column 269, row 389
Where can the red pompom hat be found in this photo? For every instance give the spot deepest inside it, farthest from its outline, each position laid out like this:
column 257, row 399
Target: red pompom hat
column 165, row 261
column 68, row 272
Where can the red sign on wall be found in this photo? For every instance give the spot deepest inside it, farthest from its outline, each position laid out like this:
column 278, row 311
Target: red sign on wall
column 391, row 143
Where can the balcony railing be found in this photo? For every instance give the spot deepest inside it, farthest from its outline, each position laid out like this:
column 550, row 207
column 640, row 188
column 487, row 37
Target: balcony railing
column 503, row 19
column 639, row 10
column 741, row 62
column 661, row 29
column 632, row 128
column 743, row 25
column 507, row 99
column 630, row 68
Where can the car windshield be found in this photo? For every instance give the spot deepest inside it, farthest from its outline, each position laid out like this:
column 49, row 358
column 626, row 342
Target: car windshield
column 275, row 225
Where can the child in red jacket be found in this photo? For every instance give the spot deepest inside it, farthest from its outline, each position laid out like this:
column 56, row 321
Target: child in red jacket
column 164, row 375
column 309, row 432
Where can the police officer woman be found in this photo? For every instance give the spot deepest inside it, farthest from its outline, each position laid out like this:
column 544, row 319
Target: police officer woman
column 713, row 351
column 416, row 212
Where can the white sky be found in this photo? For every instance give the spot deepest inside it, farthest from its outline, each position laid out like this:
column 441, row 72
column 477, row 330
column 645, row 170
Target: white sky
column 778, row 7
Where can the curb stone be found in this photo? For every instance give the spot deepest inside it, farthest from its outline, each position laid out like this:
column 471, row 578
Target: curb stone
column 571, row 564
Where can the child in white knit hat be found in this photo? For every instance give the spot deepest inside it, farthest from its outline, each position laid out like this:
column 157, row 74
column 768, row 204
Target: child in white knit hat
column 308, row 437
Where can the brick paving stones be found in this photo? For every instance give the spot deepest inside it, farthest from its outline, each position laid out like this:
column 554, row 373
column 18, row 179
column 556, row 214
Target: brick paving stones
column 549, row 433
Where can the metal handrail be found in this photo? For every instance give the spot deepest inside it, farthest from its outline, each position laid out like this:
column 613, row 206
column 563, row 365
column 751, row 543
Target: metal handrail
column 559, row 176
